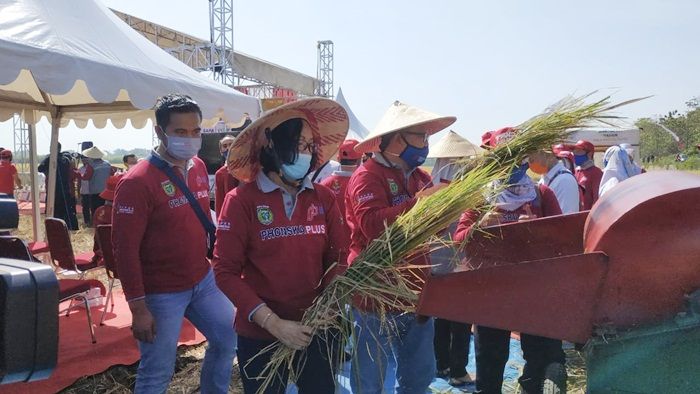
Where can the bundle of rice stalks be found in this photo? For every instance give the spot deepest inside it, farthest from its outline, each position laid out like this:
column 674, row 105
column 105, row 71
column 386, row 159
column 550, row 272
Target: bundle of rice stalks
column 378, row 274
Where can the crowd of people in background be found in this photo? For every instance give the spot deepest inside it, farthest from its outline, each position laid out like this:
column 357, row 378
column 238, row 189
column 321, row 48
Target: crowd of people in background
column 294, row 205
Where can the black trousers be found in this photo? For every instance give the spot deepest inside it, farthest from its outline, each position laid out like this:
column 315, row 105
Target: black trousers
column 95, row 202
column 317, row 372
column 64, row 208
column 86, row 203
column 492, row 350
column 451, row 344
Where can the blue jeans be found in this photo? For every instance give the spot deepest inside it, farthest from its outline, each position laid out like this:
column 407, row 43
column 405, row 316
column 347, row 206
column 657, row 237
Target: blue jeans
column 208, row 309
column 403, row 337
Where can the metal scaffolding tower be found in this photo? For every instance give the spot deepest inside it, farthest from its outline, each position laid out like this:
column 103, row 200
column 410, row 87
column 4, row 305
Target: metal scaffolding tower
column 20, row 155
column 221, row 33
column 324, row 73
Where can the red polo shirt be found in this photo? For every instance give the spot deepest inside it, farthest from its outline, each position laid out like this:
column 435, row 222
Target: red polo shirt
column 375, row 197
column 159, row 244
column 589, row 180
column 223, row 182
column 338, row 183
column 7, row 177
column 545, row 205
column 262, row 256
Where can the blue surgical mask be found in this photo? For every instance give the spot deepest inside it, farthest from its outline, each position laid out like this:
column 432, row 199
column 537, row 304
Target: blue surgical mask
column 299, row 169
column 518, row 173
column 414, row 156
column 580, row 160
column 224, row 156
column 183, row 148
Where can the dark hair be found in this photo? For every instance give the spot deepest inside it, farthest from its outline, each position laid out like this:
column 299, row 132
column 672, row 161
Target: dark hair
column 386, row 140
column 174, row 103
column 285, row 142
column 127, row 157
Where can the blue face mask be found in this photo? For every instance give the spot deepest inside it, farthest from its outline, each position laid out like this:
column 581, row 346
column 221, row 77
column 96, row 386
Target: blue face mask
column 224, row 156
column 299, row 169
column 412, row 155
column 580, row 160
column 518, row 174
column 183, row 148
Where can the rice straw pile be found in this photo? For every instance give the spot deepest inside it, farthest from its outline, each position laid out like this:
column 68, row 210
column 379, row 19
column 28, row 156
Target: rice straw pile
column 378, row 275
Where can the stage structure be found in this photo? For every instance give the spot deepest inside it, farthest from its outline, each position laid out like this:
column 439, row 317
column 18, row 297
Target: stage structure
column 250, row 75
column 324, row 74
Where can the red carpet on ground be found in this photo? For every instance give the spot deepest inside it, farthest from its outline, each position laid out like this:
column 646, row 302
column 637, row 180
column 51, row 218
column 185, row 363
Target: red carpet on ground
column 78, row 357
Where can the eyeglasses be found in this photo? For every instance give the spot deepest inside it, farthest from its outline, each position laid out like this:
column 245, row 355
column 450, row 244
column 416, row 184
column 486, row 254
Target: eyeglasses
column 306, row 146
column 418, row 134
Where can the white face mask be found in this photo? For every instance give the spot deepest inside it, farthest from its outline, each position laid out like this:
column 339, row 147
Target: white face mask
column 299, row 168
column 183, row 148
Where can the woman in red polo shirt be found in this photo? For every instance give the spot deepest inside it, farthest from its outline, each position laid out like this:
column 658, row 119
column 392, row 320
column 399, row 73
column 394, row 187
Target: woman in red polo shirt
column 279, row 239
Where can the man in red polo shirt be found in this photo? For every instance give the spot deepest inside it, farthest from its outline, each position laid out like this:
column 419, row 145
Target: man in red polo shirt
column 587, row 174
column 8, row 174
column 223, row 181
column 383, row 188
column 160, row 247
column 338, row 181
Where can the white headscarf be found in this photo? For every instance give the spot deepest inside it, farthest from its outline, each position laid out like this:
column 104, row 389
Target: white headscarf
column 618, row 167
column 517, row 195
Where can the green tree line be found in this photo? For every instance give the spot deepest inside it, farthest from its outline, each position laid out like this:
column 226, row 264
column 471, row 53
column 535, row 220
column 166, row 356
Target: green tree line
column 657, row 142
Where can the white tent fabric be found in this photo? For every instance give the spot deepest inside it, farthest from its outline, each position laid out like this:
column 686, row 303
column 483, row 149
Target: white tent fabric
column 357, row 130
column 80, row 57
column 78, row 61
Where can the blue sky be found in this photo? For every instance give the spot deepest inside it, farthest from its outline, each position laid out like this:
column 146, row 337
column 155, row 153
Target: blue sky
column 490, row 63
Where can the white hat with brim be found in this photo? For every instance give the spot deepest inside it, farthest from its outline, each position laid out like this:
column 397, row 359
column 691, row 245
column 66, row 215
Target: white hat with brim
column 93, row 153
column 453, row 145
column 403, row 117
column 327, row 119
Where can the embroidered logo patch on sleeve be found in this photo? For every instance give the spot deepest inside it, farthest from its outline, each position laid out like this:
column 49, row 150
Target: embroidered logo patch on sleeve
column 265, row 216
column 168, row 188
column 393, row 187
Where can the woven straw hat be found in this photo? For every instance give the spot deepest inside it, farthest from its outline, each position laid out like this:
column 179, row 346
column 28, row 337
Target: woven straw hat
column 326, row 118
column 93, row 153
column 403, row 117
column 453, row 145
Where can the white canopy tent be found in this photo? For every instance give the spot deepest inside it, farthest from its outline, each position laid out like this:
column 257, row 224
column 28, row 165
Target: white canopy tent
column 357, row 130
column 78, row 61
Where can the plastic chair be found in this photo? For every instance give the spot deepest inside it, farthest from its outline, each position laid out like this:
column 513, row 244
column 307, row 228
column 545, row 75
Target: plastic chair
column 61, row 249
column 104, row 237
column 72, row 289
column 38, row 247
column 69, row 289
column 14, row 248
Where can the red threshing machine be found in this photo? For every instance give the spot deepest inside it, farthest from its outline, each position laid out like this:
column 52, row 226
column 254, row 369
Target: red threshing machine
column 621, row 278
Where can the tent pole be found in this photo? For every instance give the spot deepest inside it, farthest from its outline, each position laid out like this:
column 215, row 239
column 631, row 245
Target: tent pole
column 33, row 173
column 53, row 162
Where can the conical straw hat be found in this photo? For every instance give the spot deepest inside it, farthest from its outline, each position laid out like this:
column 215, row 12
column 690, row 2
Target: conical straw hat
column 453, row 145
column 93, row 153
column 403, row 117
column 327, row 119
